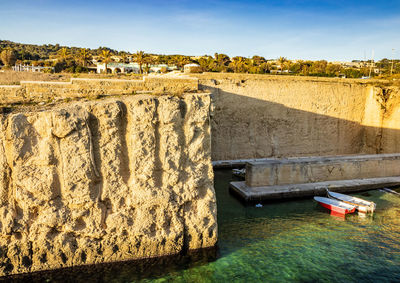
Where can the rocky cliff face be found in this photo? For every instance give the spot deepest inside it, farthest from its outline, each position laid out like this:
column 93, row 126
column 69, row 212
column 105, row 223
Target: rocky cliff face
column 278, row 116
column 106, row 180
column 382, row 117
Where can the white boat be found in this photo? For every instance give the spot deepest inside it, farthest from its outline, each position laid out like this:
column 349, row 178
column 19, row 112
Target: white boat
column 390, row 191
column 360, row 204
column 335, row 206
column 241, row 173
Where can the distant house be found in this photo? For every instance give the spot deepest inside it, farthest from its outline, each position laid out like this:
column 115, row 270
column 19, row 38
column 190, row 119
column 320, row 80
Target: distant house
column 161, row 68
column 118, row 68
column 192, row 68
column 28, row 68
column 126, row 68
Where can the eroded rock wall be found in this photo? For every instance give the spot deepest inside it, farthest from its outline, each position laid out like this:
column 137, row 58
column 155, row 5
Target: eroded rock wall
column 382, row 120
column 258, row 116
column 105, row 180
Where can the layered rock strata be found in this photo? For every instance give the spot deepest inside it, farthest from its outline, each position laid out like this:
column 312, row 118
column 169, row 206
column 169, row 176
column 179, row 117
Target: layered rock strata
column 105, row 180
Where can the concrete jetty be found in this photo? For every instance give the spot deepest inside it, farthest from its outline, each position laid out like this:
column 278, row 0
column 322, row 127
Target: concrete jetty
column 309, row 176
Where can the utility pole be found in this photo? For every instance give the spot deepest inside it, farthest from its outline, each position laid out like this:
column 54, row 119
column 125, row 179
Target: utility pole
column 391, row 69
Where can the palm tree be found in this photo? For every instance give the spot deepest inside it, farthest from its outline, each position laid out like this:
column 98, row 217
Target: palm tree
column 148, row 61
column 139, row 58
column 281, row 61
column 84, row 56
column 106, row 58
column 63, row 54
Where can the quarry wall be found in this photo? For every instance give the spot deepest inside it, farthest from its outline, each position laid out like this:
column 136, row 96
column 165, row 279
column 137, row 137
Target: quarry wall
column 382, row 120
column 258, row 116
column 105, row 180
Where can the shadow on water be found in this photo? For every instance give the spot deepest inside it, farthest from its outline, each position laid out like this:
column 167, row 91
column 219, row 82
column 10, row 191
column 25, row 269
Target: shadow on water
column 127, row 271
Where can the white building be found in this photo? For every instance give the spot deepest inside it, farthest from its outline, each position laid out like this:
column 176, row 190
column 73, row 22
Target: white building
column 192, row 68
column 132, row 68
column 28, row 68
column 118, row 68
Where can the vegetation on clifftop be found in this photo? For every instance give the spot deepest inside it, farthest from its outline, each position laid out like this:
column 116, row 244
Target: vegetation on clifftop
column 78, row 60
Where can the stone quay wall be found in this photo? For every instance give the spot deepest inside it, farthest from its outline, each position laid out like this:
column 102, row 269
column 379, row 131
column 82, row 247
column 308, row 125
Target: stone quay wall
column 303, row 170
column 105, row 180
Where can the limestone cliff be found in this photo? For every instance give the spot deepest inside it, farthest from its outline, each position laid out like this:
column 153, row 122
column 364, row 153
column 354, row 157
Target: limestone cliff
column 381, row 119
column 105, row 180
column 258, row 116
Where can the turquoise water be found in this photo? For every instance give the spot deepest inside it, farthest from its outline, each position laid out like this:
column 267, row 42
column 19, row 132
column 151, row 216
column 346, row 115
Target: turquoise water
column 294, row 241
column 300, row 242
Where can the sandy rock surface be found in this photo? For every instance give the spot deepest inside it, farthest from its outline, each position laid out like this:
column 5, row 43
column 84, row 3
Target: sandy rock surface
column 105, row 180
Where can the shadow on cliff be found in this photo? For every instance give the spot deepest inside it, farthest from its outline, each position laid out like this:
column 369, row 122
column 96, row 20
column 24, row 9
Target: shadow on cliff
column 245, row 127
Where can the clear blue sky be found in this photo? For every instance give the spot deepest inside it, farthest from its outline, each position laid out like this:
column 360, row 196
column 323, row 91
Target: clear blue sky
column 308, row 29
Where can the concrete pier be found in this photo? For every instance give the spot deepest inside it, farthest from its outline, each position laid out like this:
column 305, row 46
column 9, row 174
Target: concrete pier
column 309, row 176
column 236, row 163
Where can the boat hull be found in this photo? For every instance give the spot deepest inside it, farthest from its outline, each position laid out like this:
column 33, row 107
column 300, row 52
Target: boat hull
column 360, row 204
column 335, row 206
column 336, row 209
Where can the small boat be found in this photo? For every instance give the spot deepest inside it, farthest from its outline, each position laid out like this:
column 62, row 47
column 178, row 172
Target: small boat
column 360, row 204
column 241, row 173
column 390, row 191
column 336, row 206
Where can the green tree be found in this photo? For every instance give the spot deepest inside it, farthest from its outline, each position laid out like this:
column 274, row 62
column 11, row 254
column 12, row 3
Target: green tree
column 318, row 67
column 265, row 67
column 238, row 64
column 140, row 59
column 106, row 58
column 222, row 62
column 8, row 57
column 148, row 61
column 181, row 61
column 352, row 73
column 282, row 61
column 333, row 70
column 125, row 56
column 207, row 63
column 295, row 68
column 63, row 54
column 84, row 57
column 258, row 60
